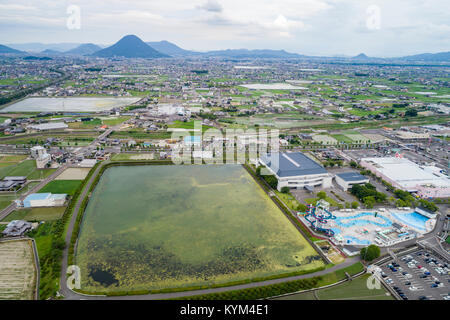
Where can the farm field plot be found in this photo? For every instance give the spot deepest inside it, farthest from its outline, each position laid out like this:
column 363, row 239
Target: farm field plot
column 342, row 138
column 356, row 137
column 61, row 186
column 325, row 139
column 36, row 214
column 132, row 156
column 79, row 104
column 73, row 174
column 184, row 226
column 25, row 168
column 18, row 273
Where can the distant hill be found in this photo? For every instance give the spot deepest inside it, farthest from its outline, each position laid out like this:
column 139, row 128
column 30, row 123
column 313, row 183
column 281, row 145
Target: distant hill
column 170, row 48
column 84, row 49
column 51, row 52
column 361, row 56
column 129, row 47
column 440, row 56
column 39, row 47
column 245, row 53
column 8, row 50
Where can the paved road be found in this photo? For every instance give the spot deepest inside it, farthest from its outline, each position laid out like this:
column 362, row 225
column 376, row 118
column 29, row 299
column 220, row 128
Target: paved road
column 64, row 290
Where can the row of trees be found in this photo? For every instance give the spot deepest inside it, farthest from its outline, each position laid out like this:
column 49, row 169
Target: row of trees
column 368, row 194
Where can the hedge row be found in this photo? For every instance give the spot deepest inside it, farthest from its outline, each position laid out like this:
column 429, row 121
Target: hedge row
column 280, row 288
column 259, row 292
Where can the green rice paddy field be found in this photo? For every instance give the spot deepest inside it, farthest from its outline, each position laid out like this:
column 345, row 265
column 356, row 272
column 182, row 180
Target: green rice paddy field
column 157, row 227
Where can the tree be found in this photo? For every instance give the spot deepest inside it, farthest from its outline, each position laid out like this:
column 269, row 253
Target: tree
column 302, row 207
column 369, row 202
column 322, row 195
column 285, row 190
column 411, row 113
column 369, row 253
column 355, row 205
column 271, row 181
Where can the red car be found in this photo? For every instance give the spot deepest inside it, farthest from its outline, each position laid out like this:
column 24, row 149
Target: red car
column 420, row 267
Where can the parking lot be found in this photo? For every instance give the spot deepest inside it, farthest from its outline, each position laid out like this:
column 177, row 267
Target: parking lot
column 418, row 276
column 362, row 153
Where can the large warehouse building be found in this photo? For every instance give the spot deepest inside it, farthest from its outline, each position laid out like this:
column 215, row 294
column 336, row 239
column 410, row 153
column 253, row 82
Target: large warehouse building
column 408, row 176
column 44, row 200
column 295, row 170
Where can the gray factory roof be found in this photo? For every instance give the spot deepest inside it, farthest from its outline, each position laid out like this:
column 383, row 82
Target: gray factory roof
column 292, row 164
column 351, row 176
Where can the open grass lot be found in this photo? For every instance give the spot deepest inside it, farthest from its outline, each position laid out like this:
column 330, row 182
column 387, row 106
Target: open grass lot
column 62, row 186
column 288, row 199
column 36, row 214
column 184, row 226
column 186, row 125
column 354, row 290
column 18, row 272
column 115, row 121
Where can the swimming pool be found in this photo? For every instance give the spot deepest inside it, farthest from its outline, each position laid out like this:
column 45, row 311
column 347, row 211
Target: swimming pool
column 412, row 219
column 362, row 222
column 353, row 240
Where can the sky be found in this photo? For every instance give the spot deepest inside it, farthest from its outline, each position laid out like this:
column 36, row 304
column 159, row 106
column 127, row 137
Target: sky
column 379, row 28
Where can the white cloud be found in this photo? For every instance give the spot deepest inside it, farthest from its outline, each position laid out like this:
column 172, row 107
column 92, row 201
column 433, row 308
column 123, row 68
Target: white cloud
column 212, row 6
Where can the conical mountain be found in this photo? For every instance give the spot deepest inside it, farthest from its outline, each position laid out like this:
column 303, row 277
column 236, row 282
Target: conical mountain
column 129, row 47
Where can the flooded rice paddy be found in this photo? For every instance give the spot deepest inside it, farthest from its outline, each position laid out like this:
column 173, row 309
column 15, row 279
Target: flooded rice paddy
column 155, row 227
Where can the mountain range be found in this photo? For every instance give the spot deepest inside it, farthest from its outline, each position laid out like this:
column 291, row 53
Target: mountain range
column 131, row 46
column 84, row 49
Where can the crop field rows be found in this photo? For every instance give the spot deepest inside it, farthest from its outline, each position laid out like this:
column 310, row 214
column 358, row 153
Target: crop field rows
column 17, row 271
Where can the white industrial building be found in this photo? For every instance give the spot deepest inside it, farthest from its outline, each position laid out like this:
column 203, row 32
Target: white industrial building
column 44, row 200
column 295, row 170
column 408, row 176
column 48, row 126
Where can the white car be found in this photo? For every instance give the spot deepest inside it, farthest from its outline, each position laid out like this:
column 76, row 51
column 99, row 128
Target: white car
column 412, row 288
